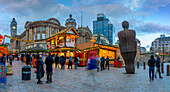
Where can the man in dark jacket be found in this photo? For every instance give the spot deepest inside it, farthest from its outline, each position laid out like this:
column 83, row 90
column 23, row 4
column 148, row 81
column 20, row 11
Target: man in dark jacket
column 3, row 59
column 62, row 61
column 107, row 62
column 151, row 64
column 28, row 59
column 49, row 62
column 158, row 67
column 56, row 60
column 102, row 63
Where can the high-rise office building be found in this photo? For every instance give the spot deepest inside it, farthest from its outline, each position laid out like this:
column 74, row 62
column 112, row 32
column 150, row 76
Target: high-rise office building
column 105, row 27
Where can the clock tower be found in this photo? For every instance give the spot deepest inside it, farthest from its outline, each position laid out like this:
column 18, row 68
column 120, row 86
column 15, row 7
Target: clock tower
column 13, row 27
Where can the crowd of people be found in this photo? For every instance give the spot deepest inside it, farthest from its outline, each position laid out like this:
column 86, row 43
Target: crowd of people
column 95, row 64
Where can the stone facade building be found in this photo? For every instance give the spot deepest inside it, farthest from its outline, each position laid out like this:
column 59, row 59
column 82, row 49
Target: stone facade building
column 37, row 30
column 85, row 34
column 161, row 45
column 103, row 39
column 43, row 29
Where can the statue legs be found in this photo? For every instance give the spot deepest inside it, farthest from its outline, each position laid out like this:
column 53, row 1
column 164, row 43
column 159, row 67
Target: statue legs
column 129, row 58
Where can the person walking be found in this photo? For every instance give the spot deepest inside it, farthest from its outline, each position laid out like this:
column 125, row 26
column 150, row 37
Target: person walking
column 62, row 61
column 92, row 66
column 3, row 59
column 40, row 70
column 151, row 64
column 56, row 61
column 49, row 62
column 98, row 62
column 10, row 60
column 27, row 59
column 158, row 67
column 70, row 63
column 102, row 63
column 107, row 62
column 76, row 61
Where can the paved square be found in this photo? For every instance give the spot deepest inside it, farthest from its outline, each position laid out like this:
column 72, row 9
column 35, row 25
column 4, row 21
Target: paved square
column 113, row 80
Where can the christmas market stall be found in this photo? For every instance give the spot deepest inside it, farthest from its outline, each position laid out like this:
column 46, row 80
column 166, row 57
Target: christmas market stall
column 3, row 48
column 100, row 49
column 63, row 43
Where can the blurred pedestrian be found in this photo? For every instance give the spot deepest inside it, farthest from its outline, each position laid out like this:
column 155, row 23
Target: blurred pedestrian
column 102, row 63
column 56, row 61
column 10, row 60
column 151, row 64
column 76, row 61
column 3, row 59
column 49, row 62
column 70, row 63
column 27, row 59
column 62, row 61
column 92, row 66
column 158, row 67
column 98, row 62
column 107, row 62
column 40, row 70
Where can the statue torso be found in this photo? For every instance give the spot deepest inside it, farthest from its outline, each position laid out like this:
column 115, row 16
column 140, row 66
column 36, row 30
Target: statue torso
column 127, row 40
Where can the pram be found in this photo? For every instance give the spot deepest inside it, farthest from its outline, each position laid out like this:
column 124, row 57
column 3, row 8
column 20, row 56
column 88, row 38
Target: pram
column 3, row 74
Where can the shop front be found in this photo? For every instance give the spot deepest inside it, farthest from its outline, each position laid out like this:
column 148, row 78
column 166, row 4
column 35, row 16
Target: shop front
column 101, row 51
column 63, row 43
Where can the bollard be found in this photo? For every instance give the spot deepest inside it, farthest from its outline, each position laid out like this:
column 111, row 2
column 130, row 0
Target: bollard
column 167, row 70
column 138, row 65
column 144, row 65
column 162, row 67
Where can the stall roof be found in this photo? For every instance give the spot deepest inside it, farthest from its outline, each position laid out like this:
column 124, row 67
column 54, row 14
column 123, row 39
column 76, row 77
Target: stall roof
column 65, row 31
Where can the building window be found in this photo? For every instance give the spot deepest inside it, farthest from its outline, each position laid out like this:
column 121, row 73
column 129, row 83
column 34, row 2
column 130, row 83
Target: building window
column 38, row 28
column 33, row 37
column 38, row 36
column 43, row 36
column 43, row 29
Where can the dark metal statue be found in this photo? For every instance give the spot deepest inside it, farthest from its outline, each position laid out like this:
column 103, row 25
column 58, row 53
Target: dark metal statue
column 128, row 47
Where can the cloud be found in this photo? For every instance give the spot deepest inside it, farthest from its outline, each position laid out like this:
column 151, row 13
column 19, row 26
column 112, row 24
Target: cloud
column 155, row 4
column 150, row 28
column 31, row 10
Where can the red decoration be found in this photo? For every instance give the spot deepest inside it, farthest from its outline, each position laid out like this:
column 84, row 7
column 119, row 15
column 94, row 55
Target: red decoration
column 1, row 38
column 47, row 46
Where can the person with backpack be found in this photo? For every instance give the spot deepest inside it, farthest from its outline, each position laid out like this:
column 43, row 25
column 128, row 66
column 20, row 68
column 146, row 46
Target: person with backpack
column 49, row 62
column 158, row 67
column 40, row 69
column 62, row 61
column 107, row 62
column 92, row 66
column 70, row 63
column 56, row 61
column 151, row 64
column 102, row 63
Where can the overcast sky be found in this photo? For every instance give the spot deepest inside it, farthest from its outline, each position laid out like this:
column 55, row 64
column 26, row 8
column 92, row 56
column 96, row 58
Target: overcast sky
column 149, row 18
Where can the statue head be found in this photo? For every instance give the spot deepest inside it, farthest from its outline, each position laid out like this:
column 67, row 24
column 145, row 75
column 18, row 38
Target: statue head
column 125, row 25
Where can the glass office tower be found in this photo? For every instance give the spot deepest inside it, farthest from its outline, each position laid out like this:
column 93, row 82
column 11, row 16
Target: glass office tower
column 104, row 26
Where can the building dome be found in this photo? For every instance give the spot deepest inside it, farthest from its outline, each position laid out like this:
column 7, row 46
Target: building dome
column 70, row 19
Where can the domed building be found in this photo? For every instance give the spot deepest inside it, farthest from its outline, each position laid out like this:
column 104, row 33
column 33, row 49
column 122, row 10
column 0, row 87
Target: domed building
column 38, row 30
column 84, row 32
column 71, row 22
